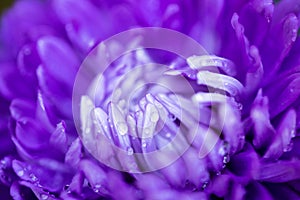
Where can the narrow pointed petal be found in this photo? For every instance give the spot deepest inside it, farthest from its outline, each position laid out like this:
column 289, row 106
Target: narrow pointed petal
column 263, row 129
column 279, row 172
column 74, row 153
column 284, row 134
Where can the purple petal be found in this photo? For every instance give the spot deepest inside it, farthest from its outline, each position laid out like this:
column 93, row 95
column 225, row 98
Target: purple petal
column 7, row 175
column 28, row 60
column 74, row 153
column 10, row 88
column 94, row 174
column 20, row 23
column 20, row 108
column 30, row 134
column 19, row 192
column 54, row 54
column 285, row 132
column 280, row 40
column 77, row 182
column 84, row 24
column 196, row 169
column 279, row 172
column 59, row 137
column 220, row 185
column 283, row 191
column 257, row 191
column 246, row 163
column 290, row 92
column 39, row 173
column 260, row 12
column 263, row 129
column 125, row 191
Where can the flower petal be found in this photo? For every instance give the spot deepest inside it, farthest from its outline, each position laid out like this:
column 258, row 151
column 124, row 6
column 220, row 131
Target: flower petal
column 282, row 141
column 263, row 128
column 74, row 153
column 84, row 24
column 279, row 172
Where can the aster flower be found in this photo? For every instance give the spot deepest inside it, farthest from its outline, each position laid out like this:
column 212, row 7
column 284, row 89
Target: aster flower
column 231, row 121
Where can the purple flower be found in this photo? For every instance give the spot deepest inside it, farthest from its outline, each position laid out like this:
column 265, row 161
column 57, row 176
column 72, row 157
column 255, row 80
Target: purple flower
column 231, row 122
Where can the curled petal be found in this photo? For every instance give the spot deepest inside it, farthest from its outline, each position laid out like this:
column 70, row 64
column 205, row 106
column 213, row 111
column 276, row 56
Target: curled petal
column 20, row 108
column 207, row 62
column 30, row 134
column 219, row 81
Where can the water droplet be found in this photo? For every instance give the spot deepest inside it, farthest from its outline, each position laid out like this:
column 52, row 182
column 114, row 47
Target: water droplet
column 3, row 164
column 147, row 131
column 96, row 190
column 240, row 106
column 224, row 150
column 168, row 135
column 122, row 128
column 33, row 177
column 20, row 173
column 204, row 185
column 172, row 117
column 293, row 133
column 226, row 159
column 129, row 151
column 292, row 90
column 144, row 144
column 100, row 189
column 44, row 196
column 218, row 173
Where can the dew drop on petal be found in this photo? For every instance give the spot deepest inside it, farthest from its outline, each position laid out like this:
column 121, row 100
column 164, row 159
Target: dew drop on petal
column 204, row 185
column 33, row 177
column 129, row 151
column 20, row 173
column 144, row 144
column 97, row 188
column 293, row 133
column 226, row 159
column 44, row 196
column 172, row 117
column 122, row 128
column 168, row 135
